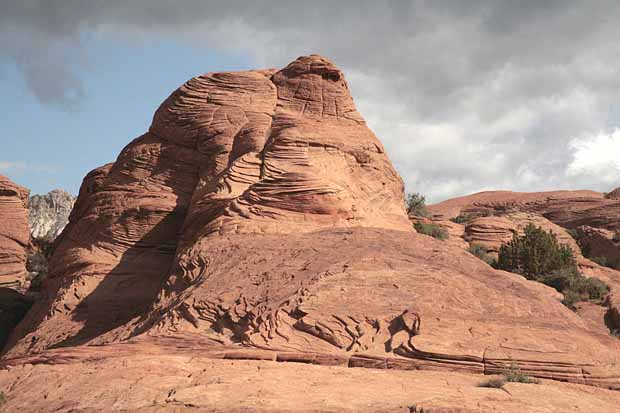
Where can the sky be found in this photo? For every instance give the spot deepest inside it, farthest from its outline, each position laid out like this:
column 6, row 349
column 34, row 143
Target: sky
column 468, row 96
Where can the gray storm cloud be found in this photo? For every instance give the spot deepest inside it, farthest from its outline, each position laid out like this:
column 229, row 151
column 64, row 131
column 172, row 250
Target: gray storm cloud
column 466, row 96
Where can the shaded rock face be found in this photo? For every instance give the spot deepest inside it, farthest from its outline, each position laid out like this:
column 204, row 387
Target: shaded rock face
column 600, row 245
column 260, row 218
column 14, row 233
column 49, row 214
column 13, row 307
column 615, row 194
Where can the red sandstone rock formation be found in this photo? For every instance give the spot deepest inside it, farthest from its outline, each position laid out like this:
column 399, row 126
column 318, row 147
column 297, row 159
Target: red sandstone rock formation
column 594, row 218
column 14, row 233
column 260, row 218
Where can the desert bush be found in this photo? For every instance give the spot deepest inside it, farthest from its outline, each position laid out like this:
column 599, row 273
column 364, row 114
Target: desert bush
column 416, row 205
column 601, row 260
column 461, row 219
column 2, row 398
column 480, row 251
column 515, row 375
column 432, row 229
column 535, row 253
column 510, row 375
column 494, row 383
column 539, row 256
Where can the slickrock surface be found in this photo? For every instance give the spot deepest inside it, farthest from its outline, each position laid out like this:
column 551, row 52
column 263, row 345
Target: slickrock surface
column 164, row 379
column 49, row 214
column 14, row 233
column 259, row 218
column 593, row 218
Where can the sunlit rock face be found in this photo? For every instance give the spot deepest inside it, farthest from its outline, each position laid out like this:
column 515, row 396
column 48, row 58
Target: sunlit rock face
column 49, row 214
column 14, row 233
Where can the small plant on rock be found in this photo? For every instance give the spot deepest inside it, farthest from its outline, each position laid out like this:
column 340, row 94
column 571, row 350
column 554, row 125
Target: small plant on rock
column 515, row 375
column 432, row 229
column 494, row 383
column 416, row 205
column 510, row 375
column 2, row 398
column 480, row 251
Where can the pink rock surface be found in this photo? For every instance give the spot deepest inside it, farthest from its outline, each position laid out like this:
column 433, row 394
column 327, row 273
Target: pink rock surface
column 14, row 233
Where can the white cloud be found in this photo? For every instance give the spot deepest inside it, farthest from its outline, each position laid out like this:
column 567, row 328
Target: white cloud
column 21, row 166
column 597, row 158
column 10, row 166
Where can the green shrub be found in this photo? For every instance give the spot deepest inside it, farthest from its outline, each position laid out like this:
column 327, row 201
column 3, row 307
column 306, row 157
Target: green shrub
column 539, row 256
column 480, row 251
column 461, row 219
column 429, row 228
column 535, row 253
column 515, row 375
column 511, row 375
column 2, row 398
column 593, row 288
column 416, row 205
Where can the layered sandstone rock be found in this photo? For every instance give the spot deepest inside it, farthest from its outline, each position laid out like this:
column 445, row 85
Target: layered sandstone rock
column 569, row 209
column 227, row 153
column 503, row 201
column 260, row 218
column 14, row 233
column 600, row 244
column 490, row 232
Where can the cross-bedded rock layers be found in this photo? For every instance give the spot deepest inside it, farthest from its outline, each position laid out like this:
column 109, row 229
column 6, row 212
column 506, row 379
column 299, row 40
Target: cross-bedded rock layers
column 259, row 217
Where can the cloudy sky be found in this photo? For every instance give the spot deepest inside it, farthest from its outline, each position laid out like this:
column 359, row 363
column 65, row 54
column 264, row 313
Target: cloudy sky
column 465, row 95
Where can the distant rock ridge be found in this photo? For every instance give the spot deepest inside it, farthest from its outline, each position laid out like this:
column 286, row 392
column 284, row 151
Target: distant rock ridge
column 49, row 214
column 615, row 194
